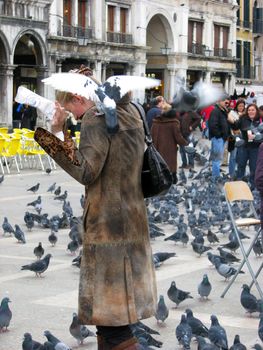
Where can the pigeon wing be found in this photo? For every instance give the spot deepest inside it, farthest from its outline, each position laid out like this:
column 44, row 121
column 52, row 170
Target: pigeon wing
column 207, row 94
column 117, row 86
column 75, row 83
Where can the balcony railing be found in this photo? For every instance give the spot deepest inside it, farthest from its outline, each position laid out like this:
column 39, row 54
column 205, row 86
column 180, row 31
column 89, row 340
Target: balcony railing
column 77, row 32
column 222, row 52
column 120, row 38
column 199, row 49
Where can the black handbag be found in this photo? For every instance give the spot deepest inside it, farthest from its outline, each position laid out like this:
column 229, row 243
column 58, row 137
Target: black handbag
column 156, row 177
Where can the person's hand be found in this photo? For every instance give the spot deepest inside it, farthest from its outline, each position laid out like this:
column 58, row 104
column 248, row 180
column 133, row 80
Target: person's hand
column 250, row 136
column 230, row 118
column 59, row 118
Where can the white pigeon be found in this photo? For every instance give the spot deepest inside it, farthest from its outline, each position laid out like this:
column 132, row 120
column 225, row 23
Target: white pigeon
column 105, row 95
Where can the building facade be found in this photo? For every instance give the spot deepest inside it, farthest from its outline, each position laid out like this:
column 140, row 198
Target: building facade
column 139, row 37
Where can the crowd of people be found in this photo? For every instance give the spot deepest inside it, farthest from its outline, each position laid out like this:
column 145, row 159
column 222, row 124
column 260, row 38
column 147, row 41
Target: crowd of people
column 231, row 125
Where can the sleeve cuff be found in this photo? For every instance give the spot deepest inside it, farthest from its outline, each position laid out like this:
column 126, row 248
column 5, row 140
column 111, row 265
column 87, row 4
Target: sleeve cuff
column 60, row 135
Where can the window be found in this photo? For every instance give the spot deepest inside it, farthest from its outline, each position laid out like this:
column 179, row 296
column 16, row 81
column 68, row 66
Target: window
column 246, row 13
column 123, row 19
column 195, row 37
column 82, row 10
column 111, row 13
column 246, row 55
column 67, row 12
column 221, row 38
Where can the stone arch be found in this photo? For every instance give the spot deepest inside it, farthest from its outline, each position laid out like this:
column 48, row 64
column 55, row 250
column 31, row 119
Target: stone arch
column 4, row 49
column 159, row 31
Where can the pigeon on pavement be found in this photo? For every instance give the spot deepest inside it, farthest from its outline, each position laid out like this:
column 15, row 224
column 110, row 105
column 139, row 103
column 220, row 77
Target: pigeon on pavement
column 212, row 237
column 52, row 188
column 225, row 270
column 205, row 287
column 62, row 197
column 30, row 344
column 58, row 344
column 34, row 203
column 2, row 178
column 203, row 345
column 249, row 301
column 162, row 311
column 199, row 248
column 52, row 238
column 260, row 327
column 232, row 245
column 39, row 266
column 5, row 314
column 183, row 333
column 79, row 331
column 237, row 345
column 197, row 326
column 230, row 258
column 177, row 295
column 7, row 228
column 39, row 251
column 57, row 191
column 35, row 188
column 217, row 334
column 19, row 235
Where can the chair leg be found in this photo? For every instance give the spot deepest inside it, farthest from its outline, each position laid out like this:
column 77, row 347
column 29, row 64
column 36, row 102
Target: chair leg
column 1, row 165
column 245, row 260
column 6, row 164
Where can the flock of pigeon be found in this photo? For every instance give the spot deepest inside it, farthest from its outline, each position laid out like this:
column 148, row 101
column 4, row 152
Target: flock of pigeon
column 190, row 208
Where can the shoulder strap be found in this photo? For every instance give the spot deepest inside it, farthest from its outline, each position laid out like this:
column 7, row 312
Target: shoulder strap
column 148, row 137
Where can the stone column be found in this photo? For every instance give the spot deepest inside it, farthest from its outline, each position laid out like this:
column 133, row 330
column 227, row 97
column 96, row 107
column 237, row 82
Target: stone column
column 42, row 72
column 207, row 77
column 6, row 92
column 226, row 85
column 139, row 69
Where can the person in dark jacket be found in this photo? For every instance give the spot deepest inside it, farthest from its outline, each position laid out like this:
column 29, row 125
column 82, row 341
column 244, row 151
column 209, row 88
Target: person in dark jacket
column 249, row 151
column 155, row 111
column 29, row 117
column 188, row 121
column 166, row 135
column 259, row 179
column 218, row 134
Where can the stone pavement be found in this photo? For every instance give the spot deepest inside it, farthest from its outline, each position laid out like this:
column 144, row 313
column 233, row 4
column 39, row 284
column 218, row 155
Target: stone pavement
column 47, row 303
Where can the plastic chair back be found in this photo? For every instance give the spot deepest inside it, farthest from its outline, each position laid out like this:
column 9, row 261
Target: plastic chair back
column 238, row 191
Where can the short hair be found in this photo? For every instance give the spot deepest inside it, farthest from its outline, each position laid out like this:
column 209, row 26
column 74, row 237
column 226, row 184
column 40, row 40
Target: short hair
column 157, row 100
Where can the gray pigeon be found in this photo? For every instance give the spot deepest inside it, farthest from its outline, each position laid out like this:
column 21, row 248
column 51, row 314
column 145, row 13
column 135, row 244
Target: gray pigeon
column 7, row 228
column 183, row 333
column 249, row 301
column 260, row 327
column 52, row 188
column 57, row 191
column 5, row 314
column 199, row 248
column 34, row 203
column 19, row 235
column 58, row 344
column 162, row 311
column 230, row 258
column 35, row 188
column 52, row 238
column 39, row 251
column 48, row 346
column 225, row 270
column 217, row 334
column 30, row 344
column 2, row 178
column 197, row 326
column 203, row 345
column 79, row 331
column 212, row 237
column 237, row 345
column 62, row 197
column 257, row 347
column 39, row 266
column 205, row 287
column 177, row 295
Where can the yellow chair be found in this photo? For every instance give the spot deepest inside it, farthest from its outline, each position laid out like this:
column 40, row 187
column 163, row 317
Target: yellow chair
column 10, row 153
column 4, row 130
column 17, row 131
column 2, row 145
column 77, row 138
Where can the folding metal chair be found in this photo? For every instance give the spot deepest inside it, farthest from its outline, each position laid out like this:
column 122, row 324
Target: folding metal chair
column 238, row 191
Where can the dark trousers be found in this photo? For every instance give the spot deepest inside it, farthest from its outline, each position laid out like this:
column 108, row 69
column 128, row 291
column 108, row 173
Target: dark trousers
column 184, row 157
column 115, row 335
column 244, row 155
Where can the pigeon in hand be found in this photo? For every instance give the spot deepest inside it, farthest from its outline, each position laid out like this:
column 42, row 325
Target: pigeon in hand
column 197, row 326
column 30, row 344
column 39, row 251
column 249, row 301
column 52, row 188
column 237, row 345
column 183, row 333
column 39, row 266
column 79, row 331
column 5, row 314
column 35, row 188
column 58, row 344
column 177, row 295
column 217, row 334
column 205, row 287
column 7, row 228
column 162, row 312
column 104, row 95
column 19, row 235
